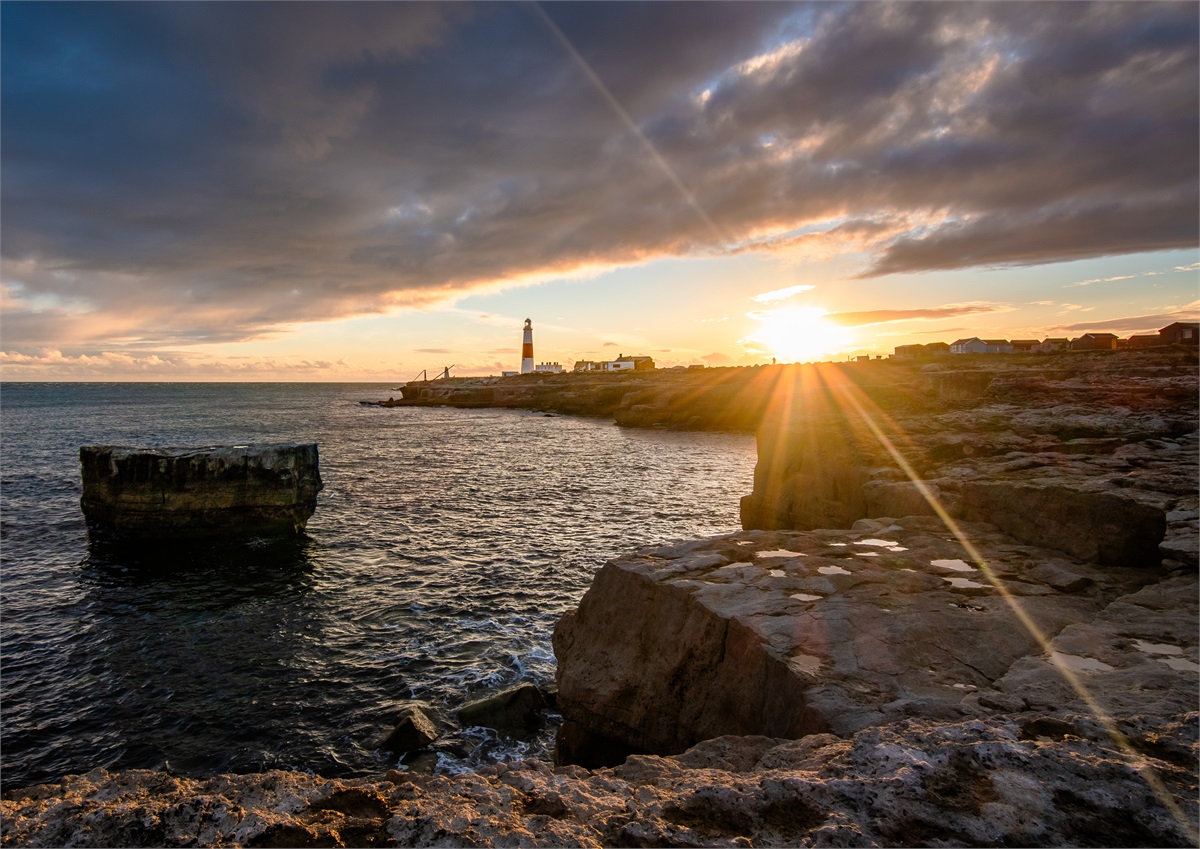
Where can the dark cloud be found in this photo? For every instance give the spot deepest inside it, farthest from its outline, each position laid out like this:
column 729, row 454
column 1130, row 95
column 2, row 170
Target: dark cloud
column 207, row 171
column 1137, row 323
column 858, row 319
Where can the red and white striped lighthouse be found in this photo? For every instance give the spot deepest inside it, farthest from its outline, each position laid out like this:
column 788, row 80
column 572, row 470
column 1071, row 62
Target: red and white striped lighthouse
column 527, row 348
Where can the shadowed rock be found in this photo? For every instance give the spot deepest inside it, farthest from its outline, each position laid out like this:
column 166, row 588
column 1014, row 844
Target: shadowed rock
column 148, row 493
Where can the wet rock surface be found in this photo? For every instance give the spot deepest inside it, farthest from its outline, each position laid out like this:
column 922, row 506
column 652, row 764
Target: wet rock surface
column 159, row 493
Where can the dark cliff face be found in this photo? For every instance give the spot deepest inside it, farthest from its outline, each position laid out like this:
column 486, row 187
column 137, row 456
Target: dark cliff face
column 166, row 492
column 1074, row 453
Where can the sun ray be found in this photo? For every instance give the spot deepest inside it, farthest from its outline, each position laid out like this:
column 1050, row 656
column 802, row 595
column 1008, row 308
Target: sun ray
column 857, row 400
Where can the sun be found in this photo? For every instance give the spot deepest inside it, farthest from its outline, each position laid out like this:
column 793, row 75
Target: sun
column 800, row 334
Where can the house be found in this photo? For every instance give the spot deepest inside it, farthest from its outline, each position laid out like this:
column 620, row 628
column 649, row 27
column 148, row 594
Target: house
column 1024, row 346
column 1180, row 333
column 1052, row 345
column 937, row 348
column 903, row 351
column 588, row 365
column 998, row 346
column 1145, row 341
column 974, row 345
column 624, row 363
column 548, row 368
column 1095, row 342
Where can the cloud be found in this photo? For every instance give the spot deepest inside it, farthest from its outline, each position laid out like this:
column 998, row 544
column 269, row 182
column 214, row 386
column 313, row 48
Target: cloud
column 781, row 294
column 434, row 350
column 1139, row 323
column 185, row 173
column 858, row 319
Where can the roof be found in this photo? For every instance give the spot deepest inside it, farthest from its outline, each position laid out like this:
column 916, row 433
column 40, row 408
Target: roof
column 1099, row 336
column 965, row 341
column 996, row 342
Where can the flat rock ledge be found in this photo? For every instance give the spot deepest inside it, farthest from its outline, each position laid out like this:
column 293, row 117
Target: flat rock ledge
column 791, row 633
column 913, row 782
column 154, row 493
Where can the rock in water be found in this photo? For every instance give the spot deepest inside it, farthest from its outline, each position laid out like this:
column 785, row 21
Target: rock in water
column 147, row 493
column 517, row 709
column 414, row 731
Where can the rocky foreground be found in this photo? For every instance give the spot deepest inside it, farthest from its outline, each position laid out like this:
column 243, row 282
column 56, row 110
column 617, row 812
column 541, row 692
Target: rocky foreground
column 963, row 612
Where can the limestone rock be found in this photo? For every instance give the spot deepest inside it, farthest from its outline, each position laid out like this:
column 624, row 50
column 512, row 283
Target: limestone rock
column 980, row 782
column 414, row 730
column 1104, row 527
column 517, row 709
column 135, row 493
column 789, row 634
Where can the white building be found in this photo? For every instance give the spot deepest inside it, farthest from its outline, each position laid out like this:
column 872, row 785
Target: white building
column 549, row 368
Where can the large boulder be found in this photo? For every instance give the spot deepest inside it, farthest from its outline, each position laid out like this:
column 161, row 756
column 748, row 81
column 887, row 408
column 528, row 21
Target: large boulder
column 787, row 634
column 138, row 493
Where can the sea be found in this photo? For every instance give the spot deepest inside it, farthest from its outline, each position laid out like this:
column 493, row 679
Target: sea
column 445, row 546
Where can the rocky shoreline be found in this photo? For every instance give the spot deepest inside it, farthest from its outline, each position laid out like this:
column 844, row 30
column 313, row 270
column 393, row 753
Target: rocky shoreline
column 963, row 611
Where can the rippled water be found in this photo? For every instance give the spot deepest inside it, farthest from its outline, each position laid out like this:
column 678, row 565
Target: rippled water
column 445, row 546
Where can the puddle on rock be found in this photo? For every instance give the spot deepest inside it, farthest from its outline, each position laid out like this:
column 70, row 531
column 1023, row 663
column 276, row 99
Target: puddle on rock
column 780, row 552
column 1075, row 663
column 805, row 663
column 881, row 543
column 838, row 544
column 806, row 597
column 1180, row 664
column 776, row 573
column 964, row 583
column 1156, row 648
column 953, row 565
column 867, row 553
column 833, row 570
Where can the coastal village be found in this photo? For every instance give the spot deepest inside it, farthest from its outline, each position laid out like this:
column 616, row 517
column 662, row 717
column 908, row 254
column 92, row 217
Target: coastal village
column 1179, row 333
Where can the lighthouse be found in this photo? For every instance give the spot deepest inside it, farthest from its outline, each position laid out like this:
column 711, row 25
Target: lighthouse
column 527, row 348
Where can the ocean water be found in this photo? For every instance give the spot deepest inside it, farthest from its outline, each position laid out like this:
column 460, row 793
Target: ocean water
column 445, row 546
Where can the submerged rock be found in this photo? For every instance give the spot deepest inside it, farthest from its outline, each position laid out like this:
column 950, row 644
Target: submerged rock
column 146, row 493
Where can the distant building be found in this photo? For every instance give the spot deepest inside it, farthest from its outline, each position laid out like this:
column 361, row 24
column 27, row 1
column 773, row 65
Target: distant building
column 588, row 365
column 624, row 363
column 1095, row 342
column 937, row 348
column 527, row 347
column 1145, row 341
column 548, row 368
column 1052, row 345
column 998, row 346
column 1024, row 346
column 974, row 345
column 1180, row 333
column 903, row 351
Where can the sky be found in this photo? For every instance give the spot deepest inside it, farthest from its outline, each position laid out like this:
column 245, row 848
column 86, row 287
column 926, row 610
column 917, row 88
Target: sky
column 345, row 191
